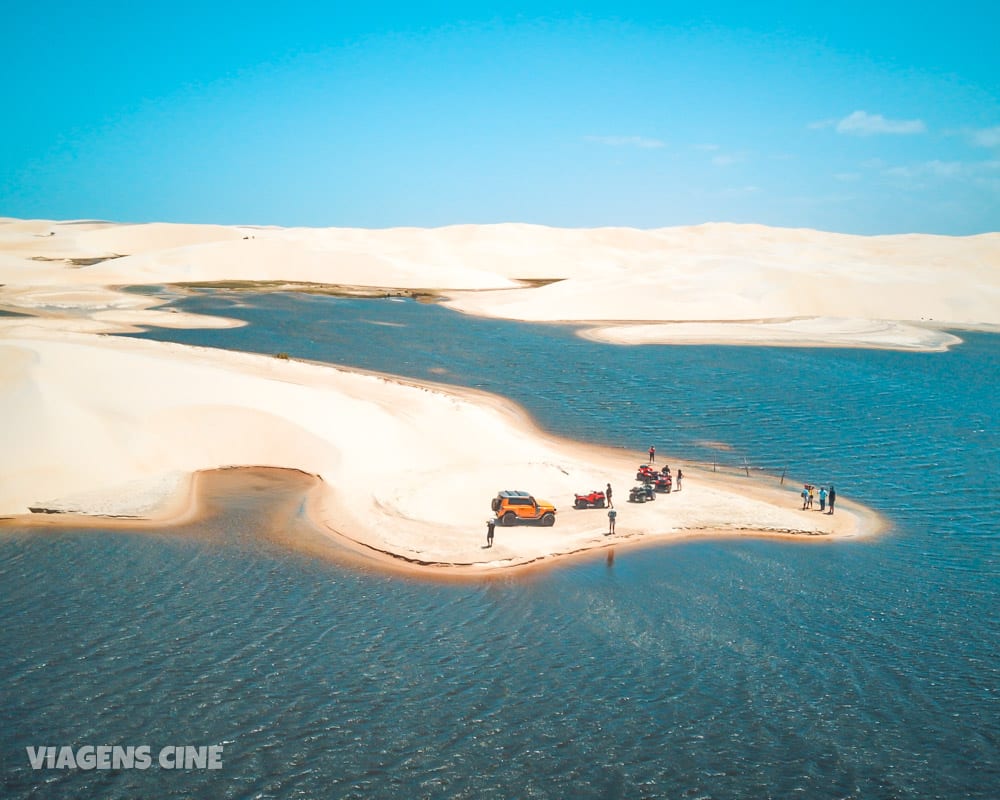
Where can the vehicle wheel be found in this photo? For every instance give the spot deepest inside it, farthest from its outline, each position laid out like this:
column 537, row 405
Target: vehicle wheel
column 549, row 519
column 600, row 504
column 509, row 518
column 581, row 504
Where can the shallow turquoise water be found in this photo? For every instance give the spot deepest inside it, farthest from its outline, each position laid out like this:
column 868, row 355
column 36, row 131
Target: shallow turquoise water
column 713, row 669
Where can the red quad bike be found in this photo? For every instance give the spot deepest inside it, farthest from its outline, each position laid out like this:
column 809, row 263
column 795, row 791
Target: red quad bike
column 646, row 473
column 663, row 482
column 594, row 499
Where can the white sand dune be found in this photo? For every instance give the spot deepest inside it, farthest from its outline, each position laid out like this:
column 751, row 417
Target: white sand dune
column 101, row 425
column 757, row 276
column 747, row 274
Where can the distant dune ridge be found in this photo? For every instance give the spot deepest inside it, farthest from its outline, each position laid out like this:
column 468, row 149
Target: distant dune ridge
column 116, row 426
column 706, row 273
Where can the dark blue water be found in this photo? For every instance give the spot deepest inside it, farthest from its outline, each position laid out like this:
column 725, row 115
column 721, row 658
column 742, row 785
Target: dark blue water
column 722, row 669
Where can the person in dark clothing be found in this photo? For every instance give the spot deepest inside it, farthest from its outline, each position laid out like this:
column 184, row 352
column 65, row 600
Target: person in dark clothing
column 831, row 497
column 652, row 454
column 490, row 525
column 607, row 494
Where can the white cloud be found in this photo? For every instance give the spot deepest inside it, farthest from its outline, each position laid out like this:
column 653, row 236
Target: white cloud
column 861, row 123
column 945, row 169
column 727, row 159
column 987, row 137
column 626, row 141
column 938, row 169
column 720, row 159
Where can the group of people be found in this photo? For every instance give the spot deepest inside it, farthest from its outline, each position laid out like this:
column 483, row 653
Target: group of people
column 825, row 497
column 665, row 470
column 608, row 496
column 612, row 514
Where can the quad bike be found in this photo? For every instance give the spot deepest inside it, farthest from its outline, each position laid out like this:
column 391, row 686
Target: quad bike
column 664, row 483
column 594, row 499
column 641, row 493
column 646, row 473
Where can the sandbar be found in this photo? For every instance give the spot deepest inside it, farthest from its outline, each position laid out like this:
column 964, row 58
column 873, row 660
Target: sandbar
column 123, row 430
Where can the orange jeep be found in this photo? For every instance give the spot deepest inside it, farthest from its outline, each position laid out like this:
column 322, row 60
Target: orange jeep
column 511, row 507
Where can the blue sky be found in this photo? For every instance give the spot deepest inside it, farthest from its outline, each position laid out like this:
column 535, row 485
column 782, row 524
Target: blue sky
column 858, row 117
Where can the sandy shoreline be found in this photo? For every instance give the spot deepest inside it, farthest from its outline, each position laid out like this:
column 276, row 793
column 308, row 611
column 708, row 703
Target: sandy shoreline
column 291, row 493
column 124, row 429
column 407, row 520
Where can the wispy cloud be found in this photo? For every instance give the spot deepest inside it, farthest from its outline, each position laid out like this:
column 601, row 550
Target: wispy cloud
column 627, row 141
column 861, row 123
column 986, row 137
column 945, row 169
column 727, row 159
column 720, row 159
column 937, row 169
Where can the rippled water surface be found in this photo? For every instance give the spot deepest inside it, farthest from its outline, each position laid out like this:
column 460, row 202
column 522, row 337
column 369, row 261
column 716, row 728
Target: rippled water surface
column 722, row 669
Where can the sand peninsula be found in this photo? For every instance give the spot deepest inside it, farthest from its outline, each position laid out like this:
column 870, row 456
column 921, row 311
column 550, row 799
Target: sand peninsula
column 99, row 428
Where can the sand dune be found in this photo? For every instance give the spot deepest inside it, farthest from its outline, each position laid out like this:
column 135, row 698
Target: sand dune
column 749, row 274
column 99, row 425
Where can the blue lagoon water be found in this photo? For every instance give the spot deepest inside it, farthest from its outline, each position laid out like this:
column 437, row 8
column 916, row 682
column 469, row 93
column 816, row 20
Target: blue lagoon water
column 715, row 669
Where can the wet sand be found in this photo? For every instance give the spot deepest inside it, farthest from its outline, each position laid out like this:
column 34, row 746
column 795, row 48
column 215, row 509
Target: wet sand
column 284, row 508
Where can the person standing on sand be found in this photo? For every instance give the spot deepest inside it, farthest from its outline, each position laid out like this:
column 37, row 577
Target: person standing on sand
column 607, row 494
column 805, row 497
column 812, row 494
column 680, row 477
column 832, row 497
column 611, row 521
column 652, row 454
column 490, row 525
column 822, row 498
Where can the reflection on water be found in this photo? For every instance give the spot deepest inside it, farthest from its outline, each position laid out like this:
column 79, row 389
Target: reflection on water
column 707, row 669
